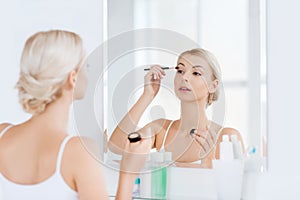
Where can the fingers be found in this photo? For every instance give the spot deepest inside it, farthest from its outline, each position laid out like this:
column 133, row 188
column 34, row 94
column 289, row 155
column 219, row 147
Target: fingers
column 156, row 72
column 202, row 142
column 206, row 141
column 210, row 139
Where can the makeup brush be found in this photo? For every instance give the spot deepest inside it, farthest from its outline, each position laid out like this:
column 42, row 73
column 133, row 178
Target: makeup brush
column 164, row 68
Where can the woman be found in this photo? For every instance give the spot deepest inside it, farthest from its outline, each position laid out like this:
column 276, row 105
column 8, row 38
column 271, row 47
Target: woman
column 38, row 160
column 196, row 84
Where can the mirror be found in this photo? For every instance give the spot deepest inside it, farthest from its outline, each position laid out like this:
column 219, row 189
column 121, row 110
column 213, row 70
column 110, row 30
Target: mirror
column 141, row 33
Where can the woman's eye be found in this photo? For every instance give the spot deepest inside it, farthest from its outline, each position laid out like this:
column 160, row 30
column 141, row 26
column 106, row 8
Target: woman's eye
column 180, row 71
column 197, row 74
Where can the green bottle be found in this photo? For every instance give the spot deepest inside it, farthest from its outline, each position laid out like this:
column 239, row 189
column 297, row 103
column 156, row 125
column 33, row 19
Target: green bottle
column 158, row 176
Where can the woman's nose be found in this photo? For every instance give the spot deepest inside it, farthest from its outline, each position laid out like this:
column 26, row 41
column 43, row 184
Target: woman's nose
column 185, row 77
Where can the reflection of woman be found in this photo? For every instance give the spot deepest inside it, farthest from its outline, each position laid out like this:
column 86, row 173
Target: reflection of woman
column 196, row 84
column 38, row 160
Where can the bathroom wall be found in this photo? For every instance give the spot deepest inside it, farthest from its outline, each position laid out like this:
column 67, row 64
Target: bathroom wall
column 283, row 178
column 20, row 19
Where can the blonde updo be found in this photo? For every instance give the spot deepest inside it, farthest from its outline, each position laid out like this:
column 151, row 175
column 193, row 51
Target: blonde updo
column 214, row 65
column 47, row 59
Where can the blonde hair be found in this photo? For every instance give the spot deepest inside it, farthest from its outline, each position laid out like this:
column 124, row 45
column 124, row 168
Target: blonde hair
column 214, row 65
column 47, row 59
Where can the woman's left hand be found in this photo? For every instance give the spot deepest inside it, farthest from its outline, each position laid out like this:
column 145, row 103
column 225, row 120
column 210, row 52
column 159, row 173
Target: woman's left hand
column 206, row 140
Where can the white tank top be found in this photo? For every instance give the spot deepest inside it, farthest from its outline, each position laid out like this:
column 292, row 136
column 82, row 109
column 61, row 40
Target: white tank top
column 54, row 188
column 162, row 148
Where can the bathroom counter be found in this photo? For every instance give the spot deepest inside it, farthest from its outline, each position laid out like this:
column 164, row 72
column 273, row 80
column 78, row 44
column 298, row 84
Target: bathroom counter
column 193, row 183
column 174, row 198
column 183, row 183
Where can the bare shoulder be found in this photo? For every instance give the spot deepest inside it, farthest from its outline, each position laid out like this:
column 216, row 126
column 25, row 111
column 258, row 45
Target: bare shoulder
column 81, row 153
column 161, row 123
column 230, row 131
column 82, row 146
column 155, row 127
column 3, row 126
column 74, row 149
column 84, row 167
column 157, row 130
column 225, row 131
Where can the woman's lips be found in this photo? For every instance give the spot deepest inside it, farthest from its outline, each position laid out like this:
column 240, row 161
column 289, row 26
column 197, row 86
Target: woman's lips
column 184, row 89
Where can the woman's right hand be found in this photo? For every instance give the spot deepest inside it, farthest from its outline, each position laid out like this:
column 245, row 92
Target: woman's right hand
column 152, row 80
column 135, row 155
column 133, row 159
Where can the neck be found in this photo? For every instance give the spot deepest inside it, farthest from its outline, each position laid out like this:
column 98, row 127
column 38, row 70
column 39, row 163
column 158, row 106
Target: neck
column 193, row 115
column 55, row 116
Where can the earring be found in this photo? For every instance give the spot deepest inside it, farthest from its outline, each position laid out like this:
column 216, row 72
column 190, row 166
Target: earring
column 210, row 98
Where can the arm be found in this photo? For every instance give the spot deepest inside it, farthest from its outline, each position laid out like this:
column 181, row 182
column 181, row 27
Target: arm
column 129, row 123
column 87, row 171
column 125, row 186
column 133, row 160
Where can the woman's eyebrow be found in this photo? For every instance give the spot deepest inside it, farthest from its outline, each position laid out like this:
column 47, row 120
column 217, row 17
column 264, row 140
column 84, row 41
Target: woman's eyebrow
column 199, row 66
column 196, row 66
column 181, row 64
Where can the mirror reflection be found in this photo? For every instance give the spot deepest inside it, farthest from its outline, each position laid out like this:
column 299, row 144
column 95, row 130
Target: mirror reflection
column 192, row 79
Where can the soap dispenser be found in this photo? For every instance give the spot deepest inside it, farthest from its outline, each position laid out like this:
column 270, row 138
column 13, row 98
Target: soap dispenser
column 226, row 148
column 229, row 172
column 237, row 147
